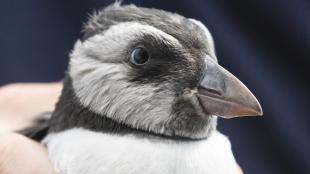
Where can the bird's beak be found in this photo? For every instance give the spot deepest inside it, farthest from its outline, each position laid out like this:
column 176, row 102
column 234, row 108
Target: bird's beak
column 221, row 93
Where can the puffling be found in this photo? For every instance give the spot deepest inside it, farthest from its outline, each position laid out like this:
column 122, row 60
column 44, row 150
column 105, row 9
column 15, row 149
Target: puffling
column 141, row 96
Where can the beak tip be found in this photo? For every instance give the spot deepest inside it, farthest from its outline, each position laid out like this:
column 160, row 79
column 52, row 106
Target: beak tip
column 258, row 111
column 261, row 112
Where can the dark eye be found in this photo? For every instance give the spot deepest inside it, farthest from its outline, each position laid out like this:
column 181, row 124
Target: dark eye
column 139, row 56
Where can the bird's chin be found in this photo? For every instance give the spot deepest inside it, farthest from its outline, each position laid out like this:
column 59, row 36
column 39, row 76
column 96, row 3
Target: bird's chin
column 198, row 106
column 202, row 108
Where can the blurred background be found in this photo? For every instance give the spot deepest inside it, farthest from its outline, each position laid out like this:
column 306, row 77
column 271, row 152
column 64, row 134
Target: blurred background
column 264, row 43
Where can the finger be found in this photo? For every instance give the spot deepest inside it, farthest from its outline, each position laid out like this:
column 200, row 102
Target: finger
column 21, row 103
column 22, row 155
column 239, row 170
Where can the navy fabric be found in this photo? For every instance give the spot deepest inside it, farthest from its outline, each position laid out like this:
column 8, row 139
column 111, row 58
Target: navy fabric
column 264, row 43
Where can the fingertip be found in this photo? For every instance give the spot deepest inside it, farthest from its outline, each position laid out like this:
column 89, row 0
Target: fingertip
column 20, row 154
column 239, row 170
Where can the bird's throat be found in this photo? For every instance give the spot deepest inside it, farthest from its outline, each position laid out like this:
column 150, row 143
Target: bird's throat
column 69, row 113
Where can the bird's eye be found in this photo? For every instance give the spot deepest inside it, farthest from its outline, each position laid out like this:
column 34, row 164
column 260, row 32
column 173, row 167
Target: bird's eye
column 139, row 56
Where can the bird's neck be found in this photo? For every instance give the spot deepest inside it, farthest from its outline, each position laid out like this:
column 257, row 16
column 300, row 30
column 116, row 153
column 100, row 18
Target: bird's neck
column 69, row 113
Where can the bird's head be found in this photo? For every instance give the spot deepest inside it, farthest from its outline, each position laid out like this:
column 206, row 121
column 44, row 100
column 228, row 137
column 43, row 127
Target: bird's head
column 155, row 71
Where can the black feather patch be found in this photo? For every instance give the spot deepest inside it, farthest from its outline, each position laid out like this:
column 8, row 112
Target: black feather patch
column 39, row 129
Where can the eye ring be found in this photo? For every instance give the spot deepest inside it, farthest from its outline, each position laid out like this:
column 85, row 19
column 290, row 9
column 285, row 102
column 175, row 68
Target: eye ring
column 139, row 56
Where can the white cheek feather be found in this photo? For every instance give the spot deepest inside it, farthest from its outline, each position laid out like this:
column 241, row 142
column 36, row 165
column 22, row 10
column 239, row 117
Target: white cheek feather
column 103, row 88
column 79, row 151
column 108, row 45
column 100, row 79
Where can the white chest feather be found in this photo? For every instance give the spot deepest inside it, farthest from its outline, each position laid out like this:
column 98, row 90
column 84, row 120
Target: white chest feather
column 79, row 151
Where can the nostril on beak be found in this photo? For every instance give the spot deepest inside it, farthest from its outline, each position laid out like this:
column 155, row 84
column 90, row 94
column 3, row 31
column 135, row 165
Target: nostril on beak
column 211, row 91
column 214, row 91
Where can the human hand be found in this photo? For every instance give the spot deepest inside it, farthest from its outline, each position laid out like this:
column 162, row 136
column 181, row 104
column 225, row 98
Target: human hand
column 20, row 155
column 21, row 103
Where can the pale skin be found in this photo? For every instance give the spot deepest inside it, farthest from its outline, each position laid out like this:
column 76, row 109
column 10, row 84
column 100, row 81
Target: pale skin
column 19, row 105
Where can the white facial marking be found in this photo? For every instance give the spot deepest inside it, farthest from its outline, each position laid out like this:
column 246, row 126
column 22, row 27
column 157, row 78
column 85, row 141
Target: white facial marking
column 100, row 78
column 108, row 44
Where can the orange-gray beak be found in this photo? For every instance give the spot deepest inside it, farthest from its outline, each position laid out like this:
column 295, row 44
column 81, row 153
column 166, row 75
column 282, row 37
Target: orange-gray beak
column 220, row 93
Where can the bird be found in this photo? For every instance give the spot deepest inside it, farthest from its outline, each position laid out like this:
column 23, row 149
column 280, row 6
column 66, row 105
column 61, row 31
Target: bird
column 142, row 94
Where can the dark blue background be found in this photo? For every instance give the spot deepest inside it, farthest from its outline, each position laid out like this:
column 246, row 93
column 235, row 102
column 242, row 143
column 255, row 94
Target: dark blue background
column 266, row 43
